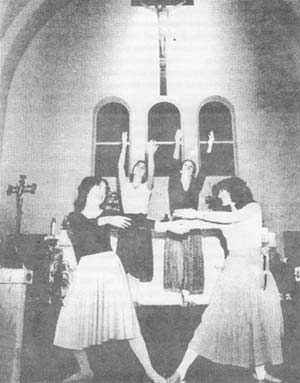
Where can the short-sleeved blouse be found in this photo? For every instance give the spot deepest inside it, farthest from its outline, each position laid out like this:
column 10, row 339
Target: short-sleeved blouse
column 135, row 200
column 245, row 234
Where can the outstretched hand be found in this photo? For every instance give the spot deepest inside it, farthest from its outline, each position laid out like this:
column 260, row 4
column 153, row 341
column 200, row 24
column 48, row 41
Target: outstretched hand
column 178, row 227
column 120, row 221
column 152, row 147
column 124, row 138
column 211, row 137
column 186, row 213
column 211, row 140
column 178, row 136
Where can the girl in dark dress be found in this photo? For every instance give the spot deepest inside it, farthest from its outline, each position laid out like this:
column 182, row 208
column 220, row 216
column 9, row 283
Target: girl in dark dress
column 135, row 242
column 99, row 306
column 183, row 260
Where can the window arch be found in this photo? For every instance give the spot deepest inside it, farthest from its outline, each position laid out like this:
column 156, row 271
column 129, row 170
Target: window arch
column 163, row 122
column 216, row 115
column 112, row 118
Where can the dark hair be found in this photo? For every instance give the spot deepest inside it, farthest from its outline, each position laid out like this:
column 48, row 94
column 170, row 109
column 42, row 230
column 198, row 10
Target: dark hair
column 193, row 163
column 238, row 189
column 131, row 175
column 83, row 190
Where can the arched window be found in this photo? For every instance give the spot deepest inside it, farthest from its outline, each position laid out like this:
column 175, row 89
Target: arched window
column 163, row 121
column 217, row 116
column 111, row 120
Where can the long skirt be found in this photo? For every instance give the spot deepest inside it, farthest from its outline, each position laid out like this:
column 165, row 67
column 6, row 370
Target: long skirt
column 134, row 248
column 243, row 324
column 183, row 262
column 98, row 306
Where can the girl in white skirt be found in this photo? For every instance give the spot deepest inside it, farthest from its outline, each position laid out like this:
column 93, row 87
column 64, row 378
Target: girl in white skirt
column 99, row 305
column 243, row 324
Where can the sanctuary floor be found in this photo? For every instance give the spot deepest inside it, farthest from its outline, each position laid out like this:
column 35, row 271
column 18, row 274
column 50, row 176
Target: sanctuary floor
column 167, row 331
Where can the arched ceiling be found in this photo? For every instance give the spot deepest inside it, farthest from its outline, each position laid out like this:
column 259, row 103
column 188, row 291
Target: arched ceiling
column 10, row 10
column 20, row 21
column 19, row 24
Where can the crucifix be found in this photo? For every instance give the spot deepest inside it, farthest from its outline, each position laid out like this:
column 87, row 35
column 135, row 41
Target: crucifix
column 163, row 9
column 19, row 191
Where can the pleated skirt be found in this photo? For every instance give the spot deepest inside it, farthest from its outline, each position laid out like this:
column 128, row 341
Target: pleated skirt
column 98, row 306
column 184, row 262
column 243, row 323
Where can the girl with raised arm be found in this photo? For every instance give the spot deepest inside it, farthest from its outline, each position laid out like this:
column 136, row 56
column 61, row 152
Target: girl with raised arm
column 99, row 306
column 243, row 324
column 135, row 242
column 183, row 260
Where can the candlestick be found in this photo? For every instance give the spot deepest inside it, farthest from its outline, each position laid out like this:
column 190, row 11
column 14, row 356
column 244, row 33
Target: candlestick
column 52, row 227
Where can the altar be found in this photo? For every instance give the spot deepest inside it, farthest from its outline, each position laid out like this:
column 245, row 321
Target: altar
column 153, row 293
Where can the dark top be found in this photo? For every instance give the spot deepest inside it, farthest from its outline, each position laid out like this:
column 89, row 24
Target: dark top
column 178, row 197
column 86, row 236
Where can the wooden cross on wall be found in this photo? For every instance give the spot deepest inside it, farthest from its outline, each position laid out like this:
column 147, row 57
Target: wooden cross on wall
column 19, row 190
column 162, row 8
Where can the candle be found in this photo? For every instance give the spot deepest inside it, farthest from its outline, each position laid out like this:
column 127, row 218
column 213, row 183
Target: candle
column 52, row 227
column 264, row 234
column 272, row 239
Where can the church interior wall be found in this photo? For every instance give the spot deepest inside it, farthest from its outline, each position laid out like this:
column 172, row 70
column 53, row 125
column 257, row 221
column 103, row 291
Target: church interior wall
column 92, row 50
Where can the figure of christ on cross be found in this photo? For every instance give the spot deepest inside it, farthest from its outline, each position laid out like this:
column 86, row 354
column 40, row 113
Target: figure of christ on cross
column 19, row 190
column 162, row 11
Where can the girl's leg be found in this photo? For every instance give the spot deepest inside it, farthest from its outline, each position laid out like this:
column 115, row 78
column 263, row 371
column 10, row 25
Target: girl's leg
column 139, row 348
column 260, row 372
column 188, row 359
column 261, row 375
column 85, row 373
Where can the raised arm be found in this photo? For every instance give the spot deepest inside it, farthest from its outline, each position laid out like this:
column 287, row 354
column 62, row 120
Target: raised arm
column 150, row 7
column 206, row 166
column 211, row 140
column 179, row 5
column 121, row 163
column 221, row 217
column 178, row 143
column 151, row 148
